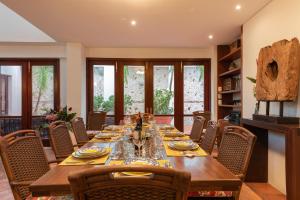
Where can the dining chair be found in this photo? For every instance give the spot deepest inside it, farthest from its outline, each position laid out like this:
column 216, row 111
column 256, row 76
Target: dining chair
column 205, row 114
column 79, row 131
column 236, row 149
column 234, row 153
column 105, row 183
column 222, row 123
column 60, row 140
column 24, row 160
column 197, row 129
column 209, row 137
column 96, row 121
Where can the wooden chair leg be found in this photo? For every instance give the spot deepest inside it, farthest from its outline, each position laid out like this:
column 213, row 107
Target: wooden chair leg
column 236, row 194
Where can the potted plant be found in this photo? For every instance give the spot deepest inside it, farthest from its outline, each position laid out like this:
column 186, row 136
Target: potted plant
column 253, row 80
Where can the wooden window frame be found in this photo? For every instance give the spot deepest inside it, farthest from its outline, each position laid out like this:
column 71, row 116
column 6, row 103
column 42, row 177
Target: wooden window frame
column 148, row 63
column 26, row 66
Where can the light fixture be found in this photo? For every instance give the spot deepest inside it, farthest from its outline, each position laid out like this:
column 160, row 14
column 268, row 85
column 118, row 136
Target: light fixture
column 210, row 37
column 238, row 7
column 133, row 23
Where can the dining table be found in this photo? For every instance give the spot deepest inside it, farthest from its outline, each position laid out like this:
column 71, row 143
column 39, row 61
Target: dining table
column 207, row 174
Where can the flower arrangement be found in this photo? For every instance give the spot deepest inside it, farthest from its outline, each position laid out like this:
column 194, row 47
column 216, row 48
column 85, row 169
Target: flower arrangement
column 64, row 114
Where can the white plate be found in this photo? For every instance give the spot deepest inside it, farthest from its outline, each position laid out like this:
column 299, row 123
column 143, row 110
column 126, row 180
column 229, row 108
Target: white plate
column 77, row 154
column 189, row 145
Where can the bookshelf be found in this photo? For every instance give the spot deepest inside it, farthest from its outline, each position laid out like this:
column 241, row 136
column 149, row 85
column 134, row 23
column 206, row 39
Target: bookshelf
column 229, row 74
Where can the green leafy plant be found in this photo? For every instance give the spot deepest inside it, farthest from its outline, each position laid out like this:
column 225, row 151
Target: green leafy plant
column 127, row 102
column 65, row 114
column 42, row 74
column 161, row 102
column 253, row 80
column 107, row 106
column 201, row 72
column 126, row 72
column 98, row 101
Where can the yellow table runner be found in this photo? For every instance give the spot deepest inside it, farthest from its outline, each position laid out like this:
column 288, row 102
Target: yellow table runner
column 175, row 153
column 95, row 140
column 93, row 161
column 176, row 138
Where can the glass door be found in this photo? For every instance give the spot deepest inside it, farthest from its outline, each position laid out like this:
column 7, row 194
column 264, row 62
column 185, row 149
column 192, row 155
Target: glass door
column 43, row 95
column 104, row 90
column 171, row 89
column 163, row 105
column 134, row 89
column 101, row 81
column 11, row 97
column 194, row 91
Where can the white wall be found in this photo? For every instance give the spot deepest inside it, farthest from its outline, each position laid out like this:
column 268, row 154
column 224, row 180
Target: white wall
column 9, row 50
column 148, row 52
column 277, row 21
column 75, row 78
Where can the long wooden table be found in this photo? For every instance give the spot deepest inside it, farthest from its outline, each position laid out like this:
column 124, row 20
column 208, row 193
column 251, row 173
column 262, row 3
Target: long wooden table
column 206, row 174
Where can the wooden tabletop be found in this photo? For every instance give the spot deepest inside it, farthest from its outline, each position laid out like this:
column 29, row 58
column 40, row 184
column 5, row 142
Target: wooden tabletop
column 206, row 174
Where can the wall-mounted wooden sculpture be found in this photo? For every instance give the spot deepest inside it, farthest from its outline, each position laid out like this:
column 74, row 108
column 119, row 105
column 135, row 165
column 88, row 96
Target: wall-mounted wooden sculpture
column 277, row 79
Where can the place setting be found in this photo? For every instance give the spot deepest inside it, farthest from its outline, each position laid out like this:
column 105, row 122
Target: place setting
column 88, row 156
column 139, row 161
column 183, row 148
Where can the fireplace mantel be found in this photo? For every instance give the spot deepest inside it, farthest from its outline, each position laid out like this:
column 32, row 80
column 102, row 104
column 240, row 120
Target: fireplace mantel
column 258, row 168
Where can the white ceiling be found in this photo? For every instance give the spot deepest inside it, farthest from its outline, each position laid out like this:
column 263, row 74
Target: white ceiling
column 14, row 28
column 160, row 23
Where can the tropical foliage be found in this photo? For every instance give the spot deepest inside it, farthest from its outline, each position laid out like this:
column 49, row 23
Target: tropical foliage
column 201, row 72
column 42, row 75
column 161, row 102
column 108, row 105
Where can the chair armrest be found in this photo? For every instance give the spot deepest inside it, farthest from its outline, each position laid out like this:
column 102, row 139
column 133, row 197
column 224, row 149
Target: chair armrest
column 81, row 144
column 61, row 158
column 53, row 161
column 240, row 176
column 20, row 183
column 215, row 156
column 103, row 126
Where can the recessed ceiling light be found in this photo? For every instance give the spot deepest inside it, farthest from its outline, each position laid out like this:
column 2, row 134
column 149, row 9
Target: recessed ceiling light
column 133, row 23
column 238, row 7
column 210, row 37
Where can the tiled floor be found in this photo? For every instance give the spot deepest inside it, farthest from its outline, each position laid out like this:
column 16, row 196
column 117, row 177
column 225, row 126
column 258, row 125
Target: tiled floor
column 250, row 191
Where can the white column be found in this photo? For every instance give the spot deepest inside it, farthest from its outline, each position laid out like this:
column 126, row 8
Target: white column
column 75, row 78
column 213, row 82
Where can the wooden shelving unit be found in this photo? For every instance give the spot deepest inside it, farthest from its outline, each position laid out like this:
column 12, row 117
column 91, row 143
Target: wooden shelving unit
column 231, row 72
column 230, row 106
column 230, row 91
column 229, row 79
